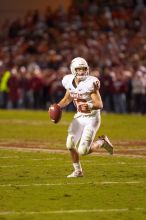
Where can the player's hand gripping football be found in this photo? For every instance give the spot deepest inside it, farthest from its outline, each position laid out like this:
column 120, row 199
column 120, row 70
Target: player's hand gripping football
column 55, row 113
column 84, row 108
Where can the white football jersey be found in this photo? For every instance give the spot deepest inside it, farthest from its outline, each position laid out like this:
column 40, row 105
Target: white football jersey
column 81, row 93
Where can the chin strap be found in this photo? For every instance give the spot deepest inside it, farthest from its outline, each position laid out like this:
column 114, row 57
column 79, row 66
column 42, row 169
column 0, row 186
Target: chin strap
column 84, row 76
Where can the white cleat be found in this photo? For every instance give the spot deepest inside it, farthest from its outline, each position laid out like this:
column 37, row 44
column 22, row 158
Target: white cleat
column 107, row 145
column 75, row 174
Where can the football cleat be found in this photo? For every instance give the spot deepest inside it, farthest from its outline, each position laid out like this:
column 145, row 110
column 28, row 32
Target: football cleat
column 75, row 174
column 107, row 145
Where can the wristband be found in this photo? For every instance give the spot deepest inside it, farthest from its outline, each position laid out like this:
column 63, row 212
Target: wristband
column 90, row 105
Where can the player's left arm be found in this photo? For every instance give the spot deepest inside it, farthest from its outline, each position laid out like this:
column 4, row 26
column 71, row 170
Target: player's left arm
column 96, row 97
column 97, row 101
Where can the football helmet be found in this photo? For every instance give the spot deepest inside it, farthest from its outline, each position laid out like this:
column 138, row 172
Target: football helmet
column 79, row 62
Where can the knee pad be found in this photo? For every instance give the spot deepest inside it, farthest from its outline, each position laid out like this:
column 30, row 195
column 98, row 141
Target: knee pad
column 82, row 150
column 70, row 142
column 85, row 142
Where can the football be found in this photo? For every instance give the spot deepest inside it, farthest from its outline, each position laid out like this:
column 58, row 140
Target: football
column 55, row 113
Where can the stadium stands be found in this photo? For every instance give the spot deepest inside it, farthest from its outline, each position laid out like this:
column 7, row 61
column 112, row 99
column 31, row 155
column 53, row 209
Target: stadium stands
column 36, row 50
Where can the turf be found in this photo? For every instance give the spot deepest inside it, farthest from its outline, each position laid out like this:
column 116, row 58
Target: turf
column 36, row 126
column 33, row 184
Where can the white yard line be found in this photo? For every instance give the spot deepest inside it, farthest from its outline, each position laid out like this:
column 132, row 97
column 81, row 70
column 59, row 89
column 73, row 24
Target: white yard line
column 11, row 166
column 69, row 211
column 50, row 165
column 140, row 166
column 76, row 183
column 27, row 158
column 9, row 157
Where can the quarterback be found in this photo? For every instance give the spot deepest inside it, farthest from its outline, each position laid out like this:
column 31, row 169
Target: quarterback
column 83, row 90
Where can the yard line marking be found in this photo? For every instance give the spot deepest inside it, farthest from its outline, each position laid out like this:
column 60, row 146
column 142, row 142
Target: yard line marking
column 68, row 161
column 23, row 165
column 78, row 183
column 49, row 165
column 27, row 158
column 140, row 166
column 11, row 166
column 69, row 211
column 9, row 157
column 45, row 159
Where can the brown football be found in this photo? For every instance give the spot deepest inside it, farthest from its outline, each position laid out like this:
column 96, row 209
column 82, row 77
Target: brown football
column 55, row 113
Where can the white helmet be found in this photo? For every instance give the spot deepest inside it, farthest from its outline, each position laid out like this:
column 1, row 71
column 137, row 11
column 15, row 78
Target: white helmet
column 79, row 62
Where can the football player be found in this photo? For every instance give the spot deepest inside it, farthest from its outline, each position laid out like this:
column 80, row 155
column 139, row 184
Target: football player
column 83, row 90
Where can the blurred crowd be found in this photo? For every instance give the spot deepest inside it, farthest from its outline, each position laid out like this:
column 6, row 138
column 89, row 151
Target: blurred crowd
column 36, row 50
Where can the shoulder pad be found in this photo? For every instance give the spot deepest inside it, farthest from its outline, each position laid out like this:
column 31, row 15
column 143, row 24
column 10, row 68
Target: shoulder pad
column 92, row 83
column 67, row 80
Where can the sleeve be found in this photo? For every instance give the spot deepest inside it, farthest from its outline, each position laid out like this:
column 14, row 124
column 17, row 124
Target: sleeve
column 94, row 85
column 65, row 82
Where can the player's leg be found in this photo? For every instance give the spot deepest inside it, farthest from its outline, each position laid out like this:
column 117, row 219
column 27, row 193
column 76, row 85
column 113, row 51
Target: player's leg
column 102, row 142
column 92, row 124
column 74, row 133
column 74, row 156
column 86, row 140
column 87, row 145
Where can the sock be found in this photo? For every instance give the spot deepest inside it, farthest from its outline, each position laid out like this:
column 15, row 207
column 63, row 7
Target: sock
column 100, row 142
column 77, row 166
column 96, row 145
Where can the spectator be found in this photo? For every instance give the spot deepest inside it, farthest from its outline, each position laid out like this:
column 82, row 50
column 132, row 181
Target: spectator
column 14, row 85
column 106, row 35
column 4, row 89
column 36, row 85
column 106, row 90
column 138, row 92
column 119, row 96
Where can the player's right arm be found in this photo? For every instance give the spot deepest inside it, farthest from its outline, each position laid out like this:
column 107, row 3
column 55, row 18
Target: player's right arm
column 66, row 100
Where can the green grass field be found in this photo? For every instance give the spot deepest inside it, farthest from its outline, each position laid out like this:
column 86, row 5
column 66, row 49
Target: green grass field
column 33, row 183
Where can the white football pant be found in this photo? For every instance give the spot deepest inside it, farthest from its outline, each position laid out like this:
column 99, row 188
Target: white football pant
column 83, row 129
